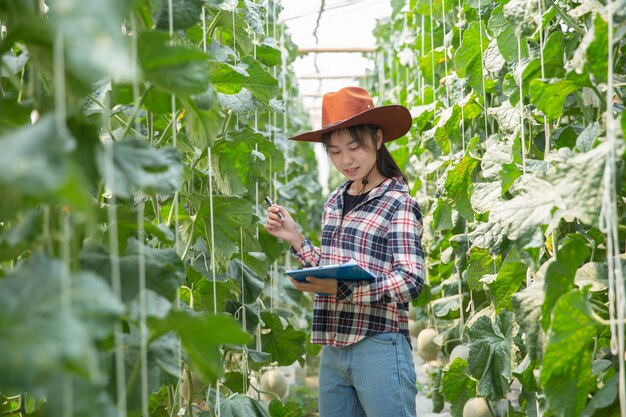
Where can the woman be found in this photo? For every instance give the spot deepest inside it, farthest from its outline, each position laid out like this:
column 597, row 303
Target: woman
column 366, row 367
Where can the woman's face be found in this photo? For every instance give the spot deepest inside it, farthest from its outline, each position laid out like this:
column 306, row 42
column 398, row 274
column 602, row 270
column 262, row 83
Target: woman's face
column 353, row 160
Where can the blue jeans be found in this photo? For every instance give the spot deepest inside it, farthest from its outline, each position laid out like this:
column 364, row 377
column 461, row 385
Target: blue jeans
column 372, row 378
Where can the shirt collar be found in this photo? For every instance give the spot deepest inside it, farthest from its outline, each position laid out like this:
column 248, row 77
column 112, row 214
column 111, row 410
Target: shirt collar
column 389, row 184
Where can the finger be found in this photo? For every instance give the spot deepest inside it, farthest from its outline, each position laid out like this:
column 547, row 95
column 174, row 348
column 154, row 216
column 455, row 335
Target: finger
column 274, row 214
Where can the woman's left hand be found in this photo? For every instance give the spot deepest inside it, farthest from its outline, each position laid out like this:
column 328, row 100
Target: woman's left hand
column 313, row 284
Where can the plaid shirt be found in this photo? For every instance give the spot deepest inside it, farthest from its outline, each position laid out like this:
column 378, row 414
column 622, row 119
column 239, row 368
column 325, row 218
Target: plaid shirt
column 383, row 234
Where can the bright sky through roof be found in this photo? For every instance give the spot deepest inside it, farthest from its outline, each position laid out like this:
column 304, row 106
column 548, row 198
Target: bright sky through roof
column 343, row 24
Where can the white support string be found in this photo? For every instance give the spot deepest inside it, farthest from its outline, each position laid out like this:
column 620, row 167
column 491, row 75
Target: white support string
column 546, row 125
column 116, row 282
column 143, row 315
column 432, row 49
column 521, row 101
column 609, row 225
column 175, row 201
column 445, row 51
column 482, row 66
column 244, row 322
column 66, row 306
column 213, row 272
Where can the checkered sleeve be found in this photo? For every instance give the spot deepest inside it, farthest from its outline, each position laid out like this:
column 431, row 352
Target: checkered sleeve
column 309, row 255
column 403, row 282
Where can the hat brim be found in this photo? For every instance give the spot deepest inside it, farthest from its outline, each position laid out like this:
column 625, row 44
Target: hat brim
column 394, row 121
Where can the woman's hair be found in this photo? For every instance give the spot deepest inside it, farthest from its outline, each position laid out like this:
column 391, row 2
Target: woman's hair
column 365, row 135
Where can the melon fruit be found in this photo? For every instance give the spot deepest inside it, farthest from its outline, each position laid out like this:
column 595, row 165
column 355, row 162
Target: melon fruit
column 426, row 346
column 460, row 351
column 476, row 407
column 273, row 381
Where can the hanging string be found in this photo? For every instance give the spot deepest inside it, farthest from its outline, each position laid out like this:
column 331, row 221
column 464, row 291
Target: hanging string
column 609, row 225
column 66, row 306
column 445, row 51
column 116, row 284
column 521, row 102
column 213, row 266
column 244, row 323
column 482, row 66
column 175, row 201
column 546, row 125
column 143, row 327
column 463, row 102
column 143, row 315
column 432, row 49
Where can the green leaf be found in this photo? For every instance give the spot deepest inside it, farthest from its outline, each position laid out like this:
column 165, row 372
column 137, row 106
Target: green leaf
column 509, row 279
column 240, row 405
column 255, row 15
column 201, row 336
column 605, row 397
column 566, row 374
column 549, row 96
column 242, row 158
column 480, row 263
column 442, row 215
column 468, row 59
column 285, row 344
column 596, row 50
column 250, row 283
column 241, row 102
column 447, row 307
column 487, row 236
column 574, row 190
column 202, row 125
column 230, row 79
column 94, row 44
column 163, row 267
column 34, row 158
column 457, row 185
column 519, row 14
column 40, row 335
column 497, row 153
column 504, row 34
column 268, row 53
column 471, row 49
column 490, row 354
column 485, row 195
column 18, row 237
column 186, row 13
column 457, row 386
column 178, row 70
column 560, row 272
column 553, row 51
column 13, row 115
column 508, row 116
column 86, row 396
column 588, row 136
column 528, row 304
column 137, row 166
column 278, row 409
column 229, row 214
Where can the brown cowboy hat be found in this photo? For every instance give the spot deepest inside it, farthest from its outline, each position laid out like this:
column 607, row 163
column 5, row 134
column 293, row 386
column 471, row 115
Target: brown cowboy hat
column 352, row 106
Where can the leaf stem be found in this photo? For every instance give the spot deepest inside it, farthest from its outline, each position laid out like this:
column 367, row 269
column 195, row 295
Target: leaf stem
column 169, row 126
column 213, row 24
column 188, row 245
column 136, row 111
column 171, row 214
column 568, row 20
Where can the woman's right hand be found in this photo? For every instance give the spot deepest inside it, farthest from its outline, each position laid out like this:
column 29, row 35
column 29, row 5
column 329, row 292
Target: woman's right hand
column 284, row 228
